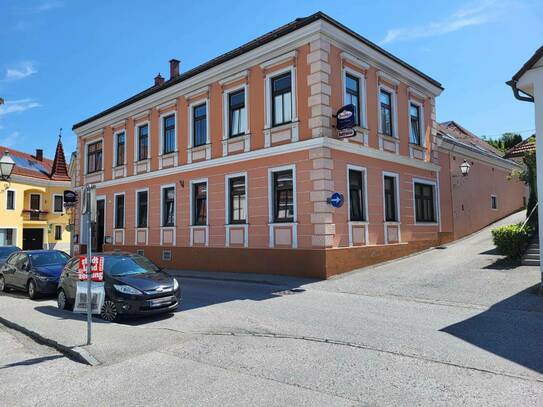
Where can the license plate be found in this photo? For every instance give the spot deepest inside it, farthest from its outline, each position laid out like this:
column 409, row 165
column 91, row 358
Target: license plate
column 161, row 301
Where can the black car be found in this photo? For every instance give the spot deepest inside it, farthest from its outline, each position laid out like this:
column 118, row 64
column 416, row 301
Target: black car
column 34, row 271
column 5, row 251
column 133, row 286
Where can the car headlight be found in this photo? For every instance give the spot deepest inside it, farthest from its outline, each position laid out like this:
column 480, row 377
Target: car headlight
column 175, row 284
column 126, row 289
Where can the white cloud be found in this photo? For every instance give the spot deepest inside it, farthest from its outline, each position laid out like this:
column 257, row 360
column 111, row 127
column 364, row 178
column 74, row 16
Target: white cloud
column 17, row 106
column 25, row 69
column 11, row 139
column 481, row 12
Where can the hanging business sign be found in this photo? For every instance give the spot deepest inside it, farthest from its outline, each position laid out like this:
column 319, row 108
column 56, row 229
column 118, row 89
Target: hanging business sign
column 70, row 197
column 346, row 121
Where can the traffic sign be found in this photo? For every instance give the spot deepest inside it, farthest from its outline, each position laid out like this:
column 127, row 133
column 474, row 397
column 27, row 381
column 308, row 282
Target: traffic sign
column 336, row 200
column 97, row 268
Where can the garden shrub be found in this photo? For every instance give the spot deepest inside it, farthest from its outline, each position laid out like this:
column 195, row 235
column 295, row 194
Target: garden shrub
column 511, row 240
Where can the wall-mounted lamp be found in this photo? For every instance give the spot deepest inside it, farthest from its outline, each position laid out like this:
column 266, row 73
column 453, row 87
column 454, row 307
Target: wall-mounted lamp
column 464, row 168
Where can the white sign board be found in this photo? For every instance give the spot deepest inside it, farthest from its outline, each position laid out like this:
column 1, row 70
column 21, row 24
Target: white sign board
column 97, row 297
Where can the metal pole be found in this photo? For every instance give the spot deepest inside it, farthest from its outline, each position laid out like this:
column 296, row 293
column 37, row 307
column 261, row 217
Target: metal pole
column 89, row 268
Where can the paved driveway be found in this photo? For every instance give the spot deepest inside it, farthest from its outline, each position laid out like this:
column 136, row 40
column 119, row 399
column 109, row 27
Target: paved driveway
column 452, row 326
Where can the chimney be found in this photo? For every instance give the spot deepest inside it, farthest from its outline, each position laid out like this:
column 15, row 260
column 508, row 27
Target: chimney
column 159, row 80
column 174, row 68
column 39, row 154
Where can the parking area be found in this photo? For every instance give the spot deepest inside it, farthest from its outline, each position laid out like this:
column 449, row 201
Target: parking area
column 449, row 324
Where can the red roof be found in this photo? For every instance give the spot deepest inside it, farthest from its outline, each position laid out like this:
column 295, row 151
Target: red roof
column 463, row 135
column 525, row 146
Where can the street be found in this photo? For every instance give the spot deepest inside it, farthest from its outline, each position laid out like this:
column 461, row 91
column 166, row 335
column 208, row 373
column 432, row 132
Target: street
column 450, row 326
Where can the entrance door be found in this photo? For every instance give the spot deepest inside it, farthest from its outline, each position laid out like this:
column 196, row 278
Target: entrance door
column 32, row 239
column 35, row 205
column 100, row 225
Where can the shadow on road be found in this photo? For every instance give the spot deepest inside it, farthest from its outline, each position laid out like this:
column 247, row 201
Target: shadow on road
column 506, row 332
column 30, row 362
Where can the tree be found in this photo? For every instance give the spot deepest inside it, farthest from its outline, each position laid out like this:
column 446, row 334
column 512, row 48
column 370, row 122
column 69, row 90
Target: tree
column 505, row 141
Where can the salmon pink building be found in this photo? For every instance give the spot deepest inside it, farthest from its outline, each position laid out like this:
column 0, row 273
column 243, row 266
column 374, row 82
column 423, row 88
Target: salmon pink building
column 230, row 166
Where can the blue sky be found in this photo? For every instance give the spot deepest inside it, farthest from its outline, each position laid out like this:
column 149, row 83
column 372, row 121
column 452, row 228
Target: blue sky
column 65, row 60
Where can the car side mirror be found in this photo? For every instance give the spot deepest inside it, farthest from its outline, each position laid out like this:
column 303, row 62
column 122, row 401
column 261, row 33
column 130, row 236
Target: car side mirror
column 26, row 267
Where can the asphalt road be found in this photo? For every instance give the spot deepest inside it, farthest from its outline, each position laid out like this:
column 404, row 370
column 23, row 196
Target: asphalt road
column 454, row 326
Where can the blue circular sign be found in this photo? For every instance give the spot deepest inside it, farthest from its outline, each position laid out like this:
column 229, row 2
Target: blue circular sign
column 336, row 200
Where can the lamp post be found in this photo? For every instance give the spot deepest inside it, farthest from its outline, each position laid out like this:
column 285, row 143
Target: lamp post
column 6, row 166
column 464, row 168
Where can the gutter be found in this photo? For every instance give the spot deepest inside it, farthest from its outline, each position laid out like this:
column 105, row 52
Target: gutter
column 520, row 94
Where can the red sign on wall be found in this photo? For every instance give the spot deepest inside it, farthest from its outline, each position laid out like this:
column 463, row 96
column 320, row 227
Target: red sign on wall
column 97, row 268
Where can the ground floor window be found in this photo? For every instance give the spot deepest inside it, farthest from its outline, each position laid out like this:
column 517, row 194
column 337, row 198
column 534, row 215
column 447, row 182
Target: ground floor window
column 6, row 237
column 119, row 212
column 494, row 202
column 356, row 196
column 283, row 196
column 199, row 203
column 424, row 202
column 238, row 200
column 168, row 206
column 391, row 206
column 58, row 232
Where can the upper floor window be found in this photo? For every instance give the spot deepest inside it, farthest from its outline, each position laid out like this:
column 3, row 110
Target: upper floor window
column 414, row 119
column 391, row 206
column 237, row 115
column 143, row 142
column 199, row 123
column 238, row 201
column 94, row 157
column 120, row 148
column 168, row 134
column 281, row 99
column 168, row 206
column 142, row 204
column 385, row 99
column 424, row 202
column 352, row 94
column 356, row 196
column 283, row 196
column 119, row 211
column 200, row 203
column 58, row 203
column 10, row 200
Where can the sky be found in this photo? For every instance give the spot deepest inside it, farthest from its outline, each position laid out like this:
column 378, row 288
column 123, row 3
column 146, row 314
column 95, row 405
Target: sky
column 62, row 61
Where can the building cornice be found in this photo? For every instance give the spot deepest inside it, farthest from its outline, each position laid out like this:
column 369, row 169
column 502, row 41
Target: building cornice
column 21, row 179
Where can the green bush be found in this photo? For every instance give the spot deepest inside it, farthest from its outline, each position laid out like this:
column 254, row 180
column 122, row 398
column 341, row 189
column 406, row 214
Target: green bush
column 511, row 240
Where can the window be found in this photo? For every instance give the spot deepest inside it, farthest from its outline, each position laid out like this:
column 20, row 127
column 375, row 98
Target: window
column 281, row 99
column 199, row 123
column 141, row 205
column 356, row 195
column 168, row 134
column 386, row 112
column 58, row 203
column 10, row 200
column 390, row 199
column 283, row 196
column 494, row 202
column 200, row 203
column 94, row 157
column 143, row 142
column 352, row 94
column 120, row 148
column 414, row 118
column 424, row 203
column 238, row 201
column 58, row 232
column 168, row 206
column 119, row 211
column 236, row 109
column 6, row 237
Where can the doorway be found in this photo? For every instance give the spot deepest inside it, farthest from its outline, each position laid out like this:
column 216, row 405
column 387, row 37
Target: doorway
column 32, row 239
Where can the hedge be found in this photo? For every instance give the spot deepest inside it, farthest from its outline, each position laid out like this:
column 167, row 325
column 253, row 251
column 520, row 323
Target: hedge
column 512, row 239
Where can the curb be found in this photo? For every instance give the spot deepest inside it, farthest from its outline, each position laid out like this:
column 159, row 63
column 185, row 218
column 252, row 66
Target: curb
column 76, row 353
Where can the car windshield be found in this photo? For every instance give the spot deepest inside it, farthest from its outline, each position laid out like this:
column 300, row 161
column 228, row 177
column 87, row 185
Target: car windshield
column 7, row 250
column 119, row 266
column 49, row 258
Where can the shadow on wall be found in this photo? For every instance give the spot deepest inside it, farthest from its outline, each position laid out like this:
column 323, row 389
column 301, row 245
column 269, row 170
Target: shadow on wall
column 512, row 329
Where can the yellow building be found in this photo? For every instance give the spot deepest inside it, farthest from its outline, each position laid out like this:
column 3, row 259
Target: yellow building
column 32, row 213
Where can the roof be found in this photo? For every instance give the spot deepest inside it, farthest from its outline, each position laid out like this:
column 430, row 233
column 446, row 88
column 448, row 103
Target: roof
column 28, row 165
column 460, row 134
column 525, row 146
column 251, row 45
column 529, row 64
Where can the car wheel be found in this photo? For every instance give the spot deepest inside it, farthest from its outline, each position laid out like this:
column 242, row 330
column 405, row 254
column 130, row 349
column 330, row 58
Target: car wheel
column 109, row 311
column 3, row 287
column 32, row 290
column 62, row 301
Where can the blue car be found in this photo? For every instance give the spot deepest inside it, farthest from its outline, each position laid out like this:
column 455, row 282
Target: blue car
column 34, row 271
column 5, row 251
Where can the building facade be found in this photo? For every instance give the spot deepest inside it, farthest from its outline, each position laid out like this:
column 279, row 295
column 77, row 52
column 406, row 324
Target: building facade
column 32, row 201
column 230, row 166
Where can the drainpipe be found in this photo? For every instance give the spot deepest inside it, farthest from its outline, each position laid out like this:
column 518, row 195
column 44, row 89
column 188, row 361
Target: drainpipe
column 519, row 94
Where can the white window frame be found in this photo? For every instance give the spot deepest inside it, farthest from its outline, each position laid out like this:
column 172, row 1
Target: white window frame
column 87, row 144
column 137, row 143
column 192, row 226
column 226, row 111
column 366, row 211
column 268, row 94
column 62, row 197
column 496, row 198
column 116, row 164
column 421, row 118
column 115, row 195
column 14, row 230
column 398, row 200
column 394, row 107
column 227, row 223
column 55, row 233
column 191, row 122
column 162, row 188
column 14, row 199
column 161, row 132
column 271, row 223
column 136, row 211
column 437, row 212
column 362, row 102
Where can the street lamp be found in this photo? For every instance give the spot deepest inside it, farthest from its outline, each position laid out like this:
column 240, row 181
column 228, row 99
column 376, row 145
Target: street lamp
column 464, row 168
column 6, row 166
